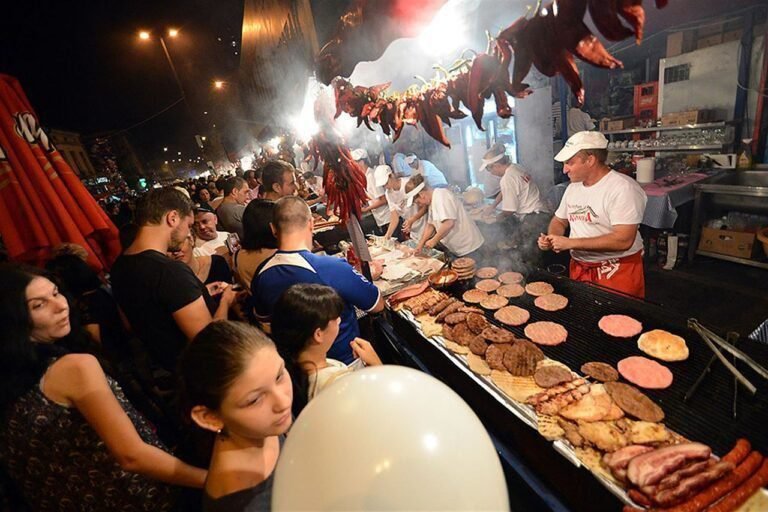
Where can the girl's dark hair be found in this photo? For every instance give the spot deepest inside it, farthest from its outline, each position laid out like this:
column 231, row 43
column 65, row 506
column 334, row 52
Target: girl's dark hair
column 217, row 356
column 74, row 273
column 22, row 362
column 256, row 231
column 299, row 311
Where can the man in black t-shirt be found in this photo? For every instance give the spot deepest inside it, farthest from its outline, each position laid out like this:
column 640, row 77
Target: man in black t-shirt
column 164, row 302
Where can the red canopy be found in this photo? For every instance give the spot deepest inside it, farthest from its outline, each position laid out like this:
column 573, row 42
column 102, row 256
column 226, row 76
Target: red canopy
column 42, row 201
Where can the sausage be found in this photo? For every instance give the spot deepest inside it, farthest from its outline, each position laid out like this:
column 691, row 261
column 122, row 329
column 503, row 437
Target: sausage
column 452, row 308
column 437, row 308
column 739, row 452
column 720, row 488
column 743, row 492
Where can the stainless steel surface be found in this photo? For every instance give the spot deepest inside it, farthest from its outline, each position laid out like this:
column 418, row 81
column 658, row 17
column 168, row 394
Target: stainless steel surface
column 700, row 126
column 649, row 149
column 743, row 190
column 755, row 178
column 732, row 259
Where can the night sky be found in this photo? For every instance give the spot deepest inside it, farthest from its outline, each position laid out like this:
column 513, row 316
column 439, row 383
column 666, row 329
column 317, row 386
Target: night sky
column 84, row 68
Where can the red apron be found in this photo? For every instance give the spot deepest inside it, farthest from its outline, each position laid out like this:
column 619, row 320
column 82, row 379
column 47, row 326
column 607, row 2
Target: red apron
column 621, row 274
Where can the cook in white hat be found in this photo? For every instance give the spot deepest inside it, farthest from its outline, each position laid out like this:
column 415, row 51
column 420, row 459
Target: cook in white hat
column 377, row 204
column 447, row 222
column 603, row 209
column 414, row 216
column 519, row 194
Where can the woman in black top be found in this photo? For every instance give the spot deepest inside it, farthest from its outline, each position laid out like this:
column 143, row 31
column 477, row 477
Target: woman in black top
column 235, row 385
column 69, row 438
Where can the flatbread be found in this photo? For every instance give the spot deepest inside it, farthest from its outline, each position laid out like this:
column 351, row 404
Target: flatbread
column 474, row 296
column 620, row 326
column 512, row 315
column 487, row 285
column 645, row 372
column 539, row 288
column 551, row 302
column 600, row 371
column 663, row 345
column 463, row 263
column 494, row 302
column 429, row 326
column 521, row 359
column 487, row 272
column 510, row 290
column 549, row 427
column 497, row 335
column 511, row 278
column 516, row 388
column 546, row 333
column 456, row 348
column 634, row 402
column 478, row 365
column 477, row 322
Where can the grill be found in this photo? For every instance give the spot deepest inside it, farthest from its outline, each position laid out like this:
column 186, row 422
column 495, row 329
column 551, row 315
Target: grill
column 707, row 416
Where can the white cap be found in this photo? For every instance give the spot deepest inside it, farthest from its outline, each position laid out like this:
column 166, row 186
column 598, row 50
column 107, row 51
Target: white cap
column 410, row 159
column 410, row 196
column 381, row 175
column 579, row 141
column 493, row 155
column 358, row 154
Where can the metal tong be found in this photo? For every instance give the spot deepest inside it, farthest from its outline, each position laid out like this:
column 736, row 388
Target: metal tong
column 714, row 341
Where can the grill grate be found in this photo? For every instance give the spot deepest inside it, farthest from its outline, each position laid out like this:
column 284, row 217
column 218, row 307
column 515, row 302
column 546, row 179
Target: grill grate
column 707, row 417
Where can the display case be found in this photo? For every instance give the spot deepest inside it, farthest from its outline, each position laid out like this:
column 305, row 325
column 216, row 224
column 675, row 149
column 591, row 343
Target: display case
column 715, row 137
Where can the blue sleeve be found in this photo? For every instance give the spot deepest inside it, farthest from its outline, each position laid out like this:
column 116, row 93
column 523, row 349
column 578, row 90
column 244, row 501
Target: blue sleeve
column 351, row 285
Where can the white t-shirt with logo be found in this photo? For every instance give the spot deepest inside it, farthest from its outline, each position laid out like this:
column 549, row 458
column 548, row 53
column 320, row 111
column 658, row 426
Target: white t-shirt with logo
column 593, row 211
column 465, row 236
column 519, row 194
column 380, row 214
column 396, row 203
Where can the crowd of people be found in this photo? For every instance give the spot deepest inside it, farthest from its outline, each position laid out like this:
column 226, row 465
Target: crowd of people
column 171, row 382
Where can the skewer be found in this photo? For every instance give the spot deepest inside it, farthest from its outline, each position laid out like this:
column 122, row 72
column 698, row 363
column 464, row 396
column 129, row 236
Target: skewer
column 693, row 323
column 733, row 338
column 689, row 394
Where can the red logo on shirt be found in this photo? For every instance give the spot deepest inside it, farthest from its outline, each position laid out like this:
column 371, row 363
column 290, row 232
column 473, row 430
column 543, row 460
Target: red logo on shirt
column 582, row 214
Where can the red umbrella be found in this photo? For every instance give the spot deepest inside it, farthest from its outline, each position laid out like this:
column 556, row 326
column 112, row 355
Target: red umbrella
column 42, row 201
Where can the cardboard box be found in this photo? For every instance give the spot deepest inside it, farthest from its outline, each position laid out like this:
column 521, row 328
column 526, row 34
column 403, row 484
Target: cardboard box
column 706, row 42
column 688, row 117
column 617, row 123
column 679, row 43
column 733, row 35
column 730, row 243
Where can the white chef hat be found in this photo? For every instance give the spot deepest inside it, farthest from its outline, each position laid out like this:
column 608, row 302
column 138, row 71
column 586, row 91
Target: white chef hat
column 358, row 154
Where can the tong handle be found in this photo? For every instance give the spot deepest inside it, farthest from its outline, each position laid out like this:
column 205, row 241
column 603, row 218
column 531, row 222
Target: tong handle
column 736, row 373
column 735, row 352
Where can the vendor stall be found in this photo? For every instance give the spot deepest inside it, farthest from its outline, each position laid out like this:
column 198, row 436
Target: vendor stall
column 701, row 403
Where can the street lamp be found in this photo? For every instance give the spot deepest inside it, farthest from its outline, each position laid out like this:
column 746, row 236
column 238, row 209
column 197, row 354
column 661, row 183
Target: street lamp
column 144, row 35
column 219, row 84
column 173, row 32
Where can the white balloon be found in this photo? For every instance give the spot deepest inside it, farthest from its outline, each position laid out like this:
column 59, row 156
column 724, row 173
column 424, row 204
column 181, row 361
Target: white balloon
column 388, row 438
